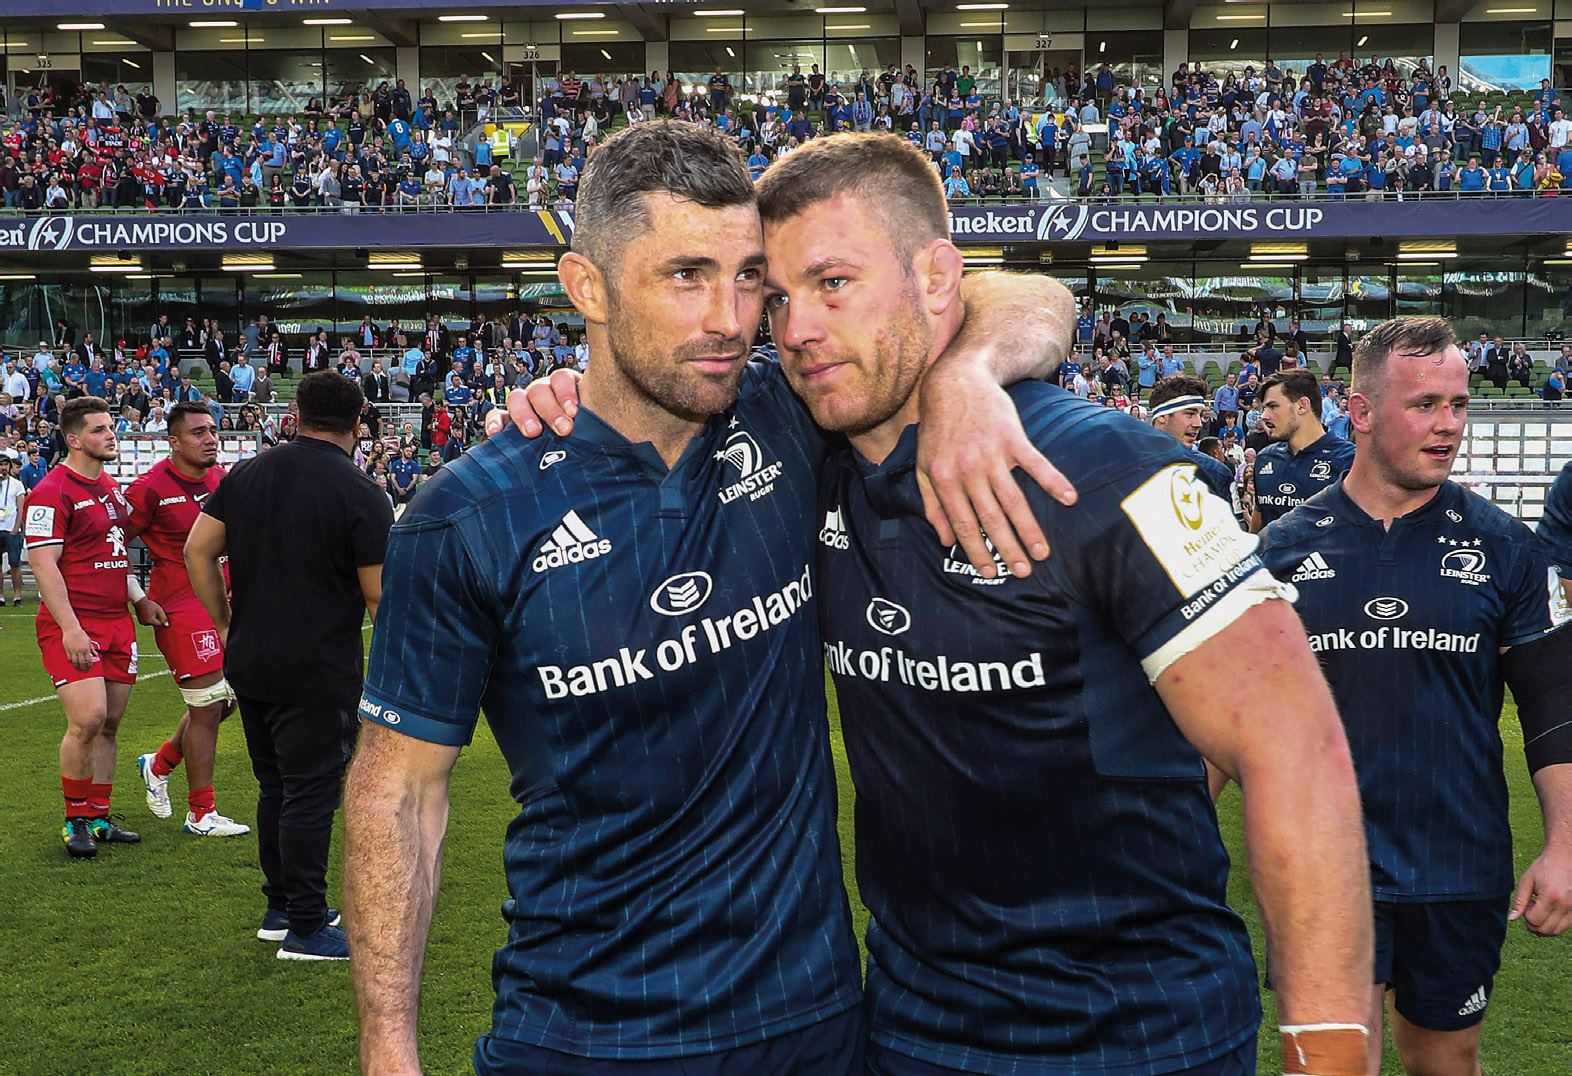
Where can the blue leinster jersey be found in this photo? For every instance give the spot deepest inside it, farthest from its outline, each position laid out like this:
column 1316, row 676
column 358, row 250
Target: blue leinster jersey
column 1555, row 526
column 1408, row 624
column 1285, row 479
column 1035, row 841
column 644, row 644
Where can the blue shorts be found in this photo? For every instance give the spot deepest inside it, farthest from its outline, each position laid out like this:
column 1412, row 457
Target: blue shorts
column 832, row 1047
column 1240, row 1061
column 1440, row 959
column 11, row 546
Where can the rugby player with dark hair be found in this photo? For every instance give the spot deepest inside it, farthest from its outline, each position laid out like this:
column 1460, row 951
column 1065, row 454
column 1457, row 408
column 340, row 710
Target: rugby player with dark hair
column 1177, row 407
column 634, row 608
column 1410, row 581
column 75, row 529
column 1035, row 839
column 165, row 501
column 1303, row 458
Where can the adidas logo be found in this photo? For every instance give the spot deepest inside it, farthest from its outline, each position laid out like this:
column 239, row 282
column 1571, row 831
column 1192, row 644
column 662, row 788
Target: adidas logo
column 1476, row 1003
column 834, row 533
column 570, row 543
column 1313, row 567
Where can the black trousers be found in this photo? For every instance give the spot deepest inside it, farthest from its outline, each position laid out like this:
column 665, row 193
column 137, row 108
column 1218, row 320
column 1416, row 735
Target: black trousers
column 299, row 755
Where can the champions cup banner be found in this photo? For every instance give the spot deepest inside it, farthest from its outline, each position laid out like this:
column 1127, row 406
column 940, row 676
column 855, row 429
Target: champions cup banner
column 1083, row 222
column 282, row 231
column 1042, row 223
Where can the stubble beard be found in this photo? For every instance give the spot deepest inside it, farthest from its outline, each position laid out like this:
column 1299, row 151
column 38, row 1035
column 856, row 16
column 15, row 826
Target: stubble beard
column 665, row 378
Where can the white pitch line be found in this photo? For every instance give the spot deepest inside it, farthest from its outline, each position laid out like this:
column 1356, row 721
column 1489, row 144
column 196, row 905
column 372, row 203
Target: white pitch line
column 145, row 676
column 52, row 698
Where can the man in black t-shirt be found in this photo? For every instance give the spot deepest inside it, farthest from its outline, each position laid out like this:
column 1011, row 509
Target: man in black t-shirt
column 305, row 531
column 500, row 188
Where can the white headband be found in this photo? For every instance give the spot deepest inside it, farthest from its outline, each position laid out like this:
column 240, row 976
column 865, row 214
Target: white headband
column 1178, row 403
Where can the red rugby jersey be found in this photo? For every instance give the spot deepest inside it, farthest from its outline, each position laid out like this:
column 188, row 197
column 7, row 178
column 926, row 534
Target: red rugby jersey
column 89, row 517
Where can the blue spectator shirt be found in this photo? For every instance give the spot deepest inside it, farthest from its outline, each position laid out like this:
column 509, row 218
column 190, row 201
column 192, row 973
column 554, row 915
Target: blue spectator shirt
column 643, row 643
column 1036, row 846
column 1426, row 604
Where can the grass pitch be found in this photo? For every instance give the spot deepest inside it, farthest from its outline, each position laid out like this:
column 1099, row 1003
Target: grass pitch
column 145, row 960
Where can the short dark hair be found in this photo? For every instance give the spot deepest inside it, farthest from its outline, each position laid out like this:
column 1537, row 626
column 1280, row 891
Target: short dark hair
column 1296, row 385
column 73, row 413
column 1171, row 388
column 887, row 174
column 694, row 163
column 178, row 414
column 1206, row 444
column 330, row 402
column 1415, row 335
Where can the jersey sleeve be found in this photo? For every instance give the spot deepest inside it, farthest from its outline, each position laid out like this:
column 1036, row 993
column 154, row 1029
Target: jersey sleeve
column 1536, row 604
column 143, row 501
column 1162, row 559
column 1277, row 549
column 218, row 503
column 48, row 516
column 371, row 517
column 1555, row 527
column 435, row 638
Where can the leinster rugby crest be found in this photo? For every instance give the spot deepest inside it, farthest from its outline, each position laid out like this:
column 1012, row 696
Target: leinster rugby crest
column 751, row 474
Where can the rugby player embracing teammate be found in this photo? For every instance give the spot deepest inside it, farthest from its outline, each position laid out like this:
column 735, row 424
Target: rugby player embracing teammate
column 634, row 609
column 1409, row 582
column 76, row 533
column 1304, row 458
column 165, row 501
column 1035, row 839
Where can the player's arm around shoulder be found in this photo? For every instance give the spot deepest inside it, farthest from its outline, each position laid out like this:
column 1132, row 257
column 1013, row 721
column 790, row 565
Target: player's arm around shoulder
column 395, row 818
column 1303, row 827
column 971, row 438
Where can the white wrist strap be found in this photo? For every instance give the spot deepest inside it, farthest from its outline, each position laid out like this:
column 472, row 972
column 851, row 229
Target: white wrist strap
column 134, row 589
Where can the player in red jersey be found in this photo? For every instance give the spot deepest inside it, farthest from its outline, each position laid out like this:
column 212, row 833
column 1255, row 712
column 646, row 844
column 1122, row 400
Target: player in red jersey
column 75, row 531
column 165, row 501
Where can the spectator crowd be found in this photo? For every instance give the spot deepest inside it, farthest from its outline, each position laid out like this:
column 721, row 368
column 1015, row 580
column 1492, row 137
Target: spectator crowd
column 1340, row 129
column 383, row 149
column 454, row 377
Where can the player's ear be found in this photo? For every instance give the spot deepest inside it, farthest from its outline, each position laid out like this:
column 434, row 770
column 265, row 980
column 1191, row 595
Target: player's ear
column 1360, row 408
column 585, row 285
column 939, row 268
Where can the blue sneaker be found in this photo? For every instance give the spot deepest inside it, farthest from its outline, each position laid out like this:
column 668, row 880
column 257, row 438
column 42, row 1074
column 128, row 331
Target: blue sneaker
column 275, row 924
column 329, row 943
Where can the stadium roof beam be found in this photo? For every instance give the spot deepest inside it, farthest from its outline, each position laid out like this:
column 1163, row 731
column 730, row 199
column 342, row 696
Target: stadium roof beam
column 400, row 32
column 151, row 36
column 1452, row 10
column 1178, row 13
column 910, row 13
column 650, row 25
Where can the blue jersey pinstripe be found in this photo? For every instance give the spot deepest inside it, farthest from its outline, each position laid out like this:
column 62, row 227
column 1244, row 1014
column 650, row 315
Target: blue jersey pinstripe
column 1407, row 624
column 644, row 645
column 1035, row 841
